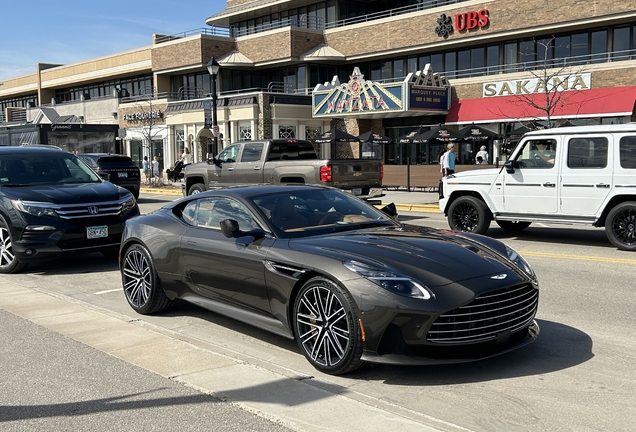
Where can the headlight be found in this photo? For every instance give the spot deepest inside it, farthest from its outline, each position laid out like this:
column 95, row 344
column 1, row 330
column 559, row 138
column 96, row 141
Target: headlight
column 128, row 205
column 397, row 284
column 520, row 262
column 35, row 208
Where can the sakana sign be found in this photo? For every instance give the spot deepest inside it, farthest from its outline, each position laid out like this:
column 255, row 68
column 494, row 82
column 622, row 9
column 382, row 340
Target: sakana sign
column 533, row 85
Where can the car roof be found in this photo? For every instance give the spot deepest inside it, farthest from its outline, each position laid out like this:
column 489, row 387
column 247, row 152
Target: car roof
column 587, row 129
column 101, row 155
column 26, row 149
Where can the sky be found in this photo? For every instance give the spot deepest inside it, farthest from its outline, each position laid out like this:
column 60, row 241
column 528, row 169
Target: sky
column 70, row 31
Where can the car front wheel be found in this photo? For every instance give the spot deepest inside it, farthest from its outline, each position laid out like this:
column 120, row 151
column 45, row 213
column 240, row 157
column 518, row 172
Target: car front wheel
column 327, row 327
column 196, row 188
column 8, row 262
column 141, row 284
column 469, row 214
column 620, row 226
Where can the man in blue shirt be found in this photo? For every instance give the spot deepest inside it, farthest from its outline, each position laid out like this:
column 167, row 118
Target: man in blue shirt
column 447, row 163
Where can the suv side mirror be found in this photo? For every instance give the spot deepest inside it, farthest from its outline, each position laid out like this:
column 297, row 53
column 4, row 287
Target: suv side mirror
column 510, row 167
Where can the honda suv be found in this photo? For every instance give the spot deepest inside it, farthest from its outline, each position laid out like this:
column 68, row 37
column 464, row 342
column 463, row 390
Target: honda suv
column 52, row 203
column 121, row 169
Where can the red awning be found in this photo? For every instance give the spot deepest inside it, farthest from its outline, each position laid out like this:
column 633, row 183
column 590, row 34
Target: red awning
column 605, row 102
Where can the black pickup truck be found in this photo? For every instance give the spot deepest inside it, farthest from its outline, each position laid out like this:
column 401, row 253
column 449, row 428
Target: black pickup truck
column 283, row 161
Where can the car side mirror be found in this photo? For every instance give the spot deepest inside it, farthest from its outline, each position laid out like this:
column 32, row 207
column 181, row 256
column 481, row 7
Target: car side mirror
column 104, row 175
column 230, row 229
column 510, row 166
column 214, row 161
column 390, row 210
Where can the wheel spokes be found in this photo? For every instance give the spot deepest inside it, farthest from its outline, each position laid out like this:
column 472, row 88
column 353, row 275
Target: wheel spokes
column 6, row 248
column 624, row 227
column 465, row 217
column 323, row 326
column 136, row 278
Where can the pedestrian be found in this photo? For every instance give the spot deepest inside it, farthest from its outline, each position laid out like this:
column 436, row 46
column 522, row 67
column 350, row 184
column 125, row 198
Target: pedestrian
column 186, row 157
column 145, row 168
column 155, row 169
column 447, row 162
column 483, row 154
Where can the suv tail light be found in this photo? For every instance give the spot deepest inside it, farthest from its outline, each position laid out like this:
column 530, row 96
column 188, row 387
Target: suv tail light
column 381, row 171
column 326, row 173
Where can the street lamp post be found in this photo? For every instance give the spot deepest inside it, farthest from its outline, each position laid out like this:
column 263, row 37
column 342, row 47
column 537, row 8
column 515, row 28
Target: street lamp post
column 213, row 68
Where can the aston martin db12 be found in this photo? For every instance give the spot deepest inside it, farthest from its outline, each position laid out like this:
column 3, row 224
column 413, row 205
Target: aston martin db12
column 348, row 281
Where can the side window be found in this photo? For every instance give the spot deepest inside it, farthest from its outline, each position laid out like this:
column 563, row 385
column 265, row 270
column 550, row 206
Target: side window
column 627, row 149
column 537, row 154
column 252, row 152
column 189, row 211
column 587, row 153
column 230, row 154
column 212, row 211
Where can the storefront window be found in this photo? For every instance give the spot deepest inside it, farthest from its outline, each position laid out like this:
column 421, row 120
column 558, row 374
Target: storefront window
column 84, row 142
column 288, row 132
column 312, row 132
column 245, row 133
column 179, row 143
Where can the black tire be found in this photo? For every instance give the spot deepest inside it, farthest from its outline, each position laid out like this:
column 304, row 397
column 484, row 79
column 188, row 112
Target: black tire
column 620, row 226
column 514, row 226
column 331, row 340
column 469, row 214
column 196, row 188
column 8, row 262
column 142, row 286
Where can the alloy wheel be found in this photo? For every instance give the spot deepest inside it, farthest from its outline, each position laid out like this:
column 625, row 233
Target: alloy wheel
column 465, row 217
column 6, row 248
column 137, row 278
column 624, row 226
column 323, row 326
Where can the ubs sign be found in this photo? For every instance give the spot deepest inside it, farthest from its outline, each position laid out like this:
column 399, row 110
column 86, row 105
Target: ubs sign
column 463, row 21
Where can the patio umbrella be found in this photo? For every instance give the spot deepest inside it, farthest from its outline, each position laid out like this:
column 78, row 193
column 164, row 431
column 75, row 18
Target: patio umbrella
column 477, row 133
column 335, row 135
column 437, row 133
column 374, row 138
column 523, row 129
column 408, row 138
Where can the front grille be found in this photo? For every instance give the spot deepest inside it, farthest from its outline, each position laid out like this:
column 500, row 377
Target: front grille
column 488, row 315
column 92, row 210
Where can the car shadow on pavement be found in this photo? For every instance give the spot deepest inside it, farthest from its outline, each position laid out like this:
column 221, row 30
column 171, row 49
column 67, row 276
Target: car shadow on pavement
column 74, row 264
column 561, row 235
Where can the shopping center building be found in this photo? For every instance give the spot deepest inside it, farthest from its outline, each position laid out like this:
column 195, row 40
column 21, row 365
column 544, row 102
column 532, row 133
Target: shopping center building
column 296, row 68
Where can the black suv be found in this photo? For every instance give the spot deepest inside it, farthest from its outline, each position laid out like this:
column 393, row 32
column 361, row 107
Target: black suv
column 52, row 203
column 121, row 169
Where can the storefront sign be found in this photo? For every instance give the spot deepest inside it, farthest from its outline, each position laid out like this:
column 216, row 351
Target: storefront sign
column 156, row 114
column 464, row 21
column 538, row 85
column 427, row 91
column 356, row 97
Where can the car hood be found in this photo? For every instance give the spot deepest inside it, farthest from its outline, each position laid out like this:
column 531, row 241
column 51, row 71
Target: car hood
column 436, row 257
column 67, row 193
column 488, row 172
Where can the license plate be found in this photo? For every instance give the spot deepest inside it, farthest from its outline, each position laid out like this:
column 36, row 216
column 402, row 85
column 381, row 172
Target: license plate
column 97, row 232
column 122, row 174
column 375, row 191
column 356, row 191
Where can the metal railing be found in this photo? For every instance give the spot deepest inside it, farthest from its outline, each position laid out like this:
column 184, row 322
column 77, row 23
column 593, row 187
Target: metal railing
column 211, row 31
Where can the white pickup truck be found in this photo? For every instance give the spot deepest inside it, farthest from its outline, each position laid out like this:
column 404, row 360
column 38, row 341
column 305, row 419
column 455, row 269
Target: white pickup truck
column 570, row 175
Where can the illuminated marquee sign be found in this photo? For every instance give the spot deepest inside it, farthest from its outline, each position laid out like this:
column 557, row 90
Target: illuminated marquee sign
column 428, row 91
column 358, row 97
column 537, row 85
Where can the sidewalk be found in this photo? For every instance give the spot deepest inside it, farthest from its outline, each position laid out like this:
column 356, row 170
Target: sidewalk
column 403, row 200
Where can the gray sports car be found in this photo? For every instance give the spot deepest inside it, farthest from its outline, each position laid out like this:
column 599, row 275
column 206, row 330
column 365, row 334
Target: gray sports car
column 348, row 281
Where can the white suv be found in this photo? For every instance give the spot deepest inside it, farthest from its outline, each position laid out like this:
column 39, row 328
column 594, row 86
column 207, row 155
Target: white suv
column 583, row 174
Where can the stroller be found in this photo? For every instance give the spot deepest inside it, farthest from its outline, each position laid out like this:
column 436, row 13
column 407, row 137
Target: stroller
column 176, row 173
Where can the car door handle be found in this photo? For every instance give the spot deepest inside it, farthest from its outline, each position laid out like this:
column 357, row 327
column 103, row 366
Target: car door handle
column 548, row 184
column 231, row 169
column 192, row 243
column 257, row 167
column 602, row 185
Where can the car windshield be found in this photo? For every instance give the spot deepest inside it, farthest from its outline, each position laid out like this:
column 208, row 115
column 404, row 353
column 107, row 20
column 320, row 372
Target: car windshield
column 308, row 212
column 44, row 168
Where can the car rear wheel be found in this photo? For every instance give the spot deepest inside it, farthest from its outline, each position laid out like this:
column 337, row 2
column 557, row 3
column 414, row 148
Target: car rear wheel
column 620, row 226
column 513, row 225
column 327, row 327
column 8, row 262
column 469, row 214
column 196, row 188
column 141, row 284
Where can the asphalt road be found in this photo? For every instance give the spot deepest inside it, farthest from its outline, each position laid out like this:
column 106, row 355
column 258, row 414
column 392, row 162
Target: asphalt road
column 577, row 377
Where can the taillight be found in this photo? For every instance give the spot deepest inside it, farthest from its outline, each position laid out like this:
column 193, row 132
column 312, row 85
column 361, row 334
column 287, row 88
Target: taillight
column 325, row 173
column 381, row 171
